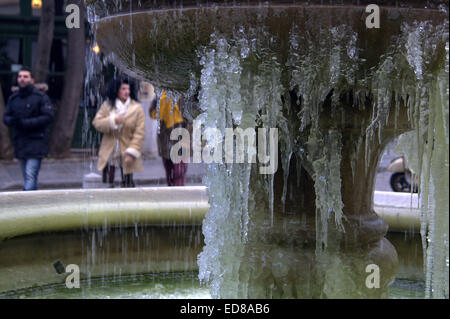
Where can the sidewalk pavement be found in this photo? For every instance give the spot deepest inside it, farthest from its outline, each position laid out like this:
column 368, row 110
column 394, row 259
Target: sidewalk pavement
column 69, row 174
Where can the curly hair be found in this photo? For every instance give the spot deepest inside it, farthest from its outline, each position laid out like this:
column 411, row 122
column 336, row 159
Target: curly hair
column 114, row 86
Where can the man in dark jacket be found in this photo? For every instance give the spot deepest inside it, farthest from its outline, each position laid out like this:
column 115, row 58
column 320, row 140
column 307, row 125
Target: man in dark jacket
column 29, row 113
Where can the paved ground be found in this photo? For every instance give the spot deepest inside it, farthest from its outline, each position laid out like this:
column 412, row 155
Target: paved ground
column 70, row 173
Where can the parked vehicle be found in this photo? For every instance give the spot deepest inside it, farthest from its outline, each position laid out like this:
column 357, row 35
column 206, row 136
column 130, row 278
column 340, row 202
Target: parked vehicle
column 402, row 177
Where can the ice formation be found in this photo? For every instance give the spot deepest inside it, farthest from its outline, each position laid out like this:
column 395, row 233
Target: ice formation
column 427, row 150
column 236, row 93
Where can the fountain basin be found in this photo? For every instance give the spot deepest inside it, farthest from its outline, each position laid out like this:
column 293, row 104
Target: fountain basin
column 24, row 213
column 114, row 232
column 160, row 43
column 28, row 261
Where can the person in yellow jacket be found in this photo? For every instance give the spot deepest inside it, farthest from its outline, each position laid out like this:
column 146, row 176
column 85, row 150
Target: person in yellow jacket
column 169, row 117
column 121, row 119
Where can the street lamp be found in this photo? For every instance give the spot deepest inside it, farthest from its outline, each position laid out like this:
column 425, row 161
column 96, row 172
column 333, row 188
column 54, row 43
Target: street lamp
column 36, row 4
column 96, row 49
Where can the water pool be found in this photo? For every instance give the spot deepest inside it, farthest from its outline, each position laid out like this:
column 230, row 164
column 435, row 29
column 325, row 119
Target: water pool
column 163, row 286
column 409, row 283
column 148, row 286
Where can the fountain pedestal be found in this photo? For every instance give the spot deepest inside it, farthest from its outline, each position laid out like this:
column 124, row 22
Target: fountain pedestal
column 281, row 260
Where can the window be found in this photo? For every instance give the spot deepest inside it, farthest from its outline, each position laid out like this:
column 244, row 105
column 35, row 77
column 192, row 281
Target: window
column 57, row 54
column 10, row 7
column 9, row 53
column 55, row 86
column 7, row 81
column 59, row 9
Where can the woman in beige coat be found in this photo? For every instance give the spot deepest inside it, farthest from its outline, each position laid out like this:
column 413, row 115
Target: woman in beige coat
column 121, row 119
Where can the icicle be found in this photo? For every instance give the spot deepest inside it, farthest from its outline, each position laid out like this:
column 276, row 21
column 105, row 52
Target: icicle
column 226, row 224
column 427, row 149
column 273, row 108
column 286, row 149
column 325, row 156
column 286, row 165
column 437, row 284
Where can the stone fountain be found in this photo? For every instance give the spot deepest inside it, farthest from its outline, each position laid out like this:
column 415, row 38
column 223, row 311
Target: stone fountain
column 338, row 92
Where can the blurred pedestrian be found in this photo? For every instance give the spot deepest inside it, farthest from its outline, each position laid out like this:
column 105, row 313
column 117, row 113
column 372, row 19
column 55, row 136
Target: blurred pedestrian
column 121, row 119
column 29, row 113
column 170, row 118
